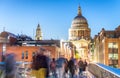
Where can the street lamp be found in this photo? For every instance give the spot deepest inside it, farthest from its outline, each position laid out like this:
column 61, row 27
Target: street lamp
column 4, row 40
column 3, row 51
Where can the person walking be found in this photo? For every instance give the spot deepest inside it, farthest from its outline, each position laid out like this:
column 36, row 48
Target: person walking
column 10, row 68
column 84, row 65
column 60, row 65
column 53, row 67
column 40, row 66
column 66, row 68
column 80, row 64
column 71, row 67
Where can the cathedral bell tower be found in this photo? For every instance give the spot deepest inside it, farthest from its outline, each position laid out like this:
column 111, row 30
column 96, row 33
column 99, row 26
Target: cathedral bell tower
column 38, row 35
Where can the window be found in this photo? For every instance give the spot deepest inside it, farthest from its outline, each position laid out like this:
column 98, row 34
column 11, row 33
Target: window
column 111, row 35
column 26, row 55
column 33, row 54
column 22, row 55
column 113, row 59
column 113, row 45
column 82, row 33
column 37, row 38
column 113, row 56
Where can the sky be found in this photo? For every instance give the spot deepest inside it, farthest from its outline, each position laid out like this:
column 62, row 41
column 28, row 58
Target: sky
column 55, row 16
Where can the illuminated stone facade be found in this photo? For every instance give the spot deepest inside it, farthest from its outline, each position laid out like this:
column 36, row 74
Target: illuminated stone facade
column 79, row 28
column 107, row 47
column 79, row 35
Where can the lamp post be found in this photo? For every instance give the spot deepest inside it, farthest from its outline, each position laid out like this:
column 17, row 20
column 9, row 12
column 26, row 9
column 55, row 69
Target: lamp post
column 3, row 51
column 4, row 40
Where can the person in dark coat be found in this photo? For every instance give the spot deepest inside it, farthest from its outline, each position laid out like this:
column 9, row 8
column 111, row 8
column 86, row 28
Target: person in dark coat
column 80, row 64
column 40, row 67
column 66, row 66
column 71, row 67
column 60, row 65
column 10, row 69
column 84, row 65
column 53, row 67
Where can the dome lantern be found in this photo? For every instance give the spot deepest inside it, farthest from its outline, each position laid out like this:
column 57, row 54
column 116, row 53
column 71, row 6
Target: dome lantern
column 79, row 11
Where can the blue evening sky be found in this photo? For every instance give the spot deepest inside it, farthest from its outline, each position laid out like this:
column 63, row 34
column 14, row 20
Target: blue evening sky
column 55, row 16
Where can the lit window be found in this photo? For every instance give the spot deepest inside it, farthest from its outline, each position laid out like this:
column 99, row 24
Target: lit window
column 113, row 45
column 113, row 56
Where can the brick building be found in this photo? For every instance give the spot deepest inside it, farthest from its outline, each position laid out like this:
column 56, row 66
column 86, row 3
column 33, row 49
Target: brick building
column 24, row 47
column 107, row 47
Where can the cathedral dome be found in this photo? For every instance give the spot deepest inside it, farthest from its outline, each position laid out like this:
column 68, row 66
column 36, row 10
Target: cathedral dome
column 79, row 21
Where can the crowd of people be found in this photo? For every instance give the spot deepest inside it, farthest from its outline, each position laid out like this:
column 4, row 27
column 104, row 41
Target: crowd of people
column 44, row 67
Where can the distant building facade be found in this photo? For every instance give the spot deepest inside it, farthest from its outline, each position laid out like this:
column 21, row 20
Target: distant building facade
column 25, row 47
column 5, row 39
column 107, row 47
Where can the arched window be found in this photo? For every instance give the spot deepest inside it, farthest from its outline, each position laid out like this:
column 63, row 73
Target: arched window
column 26, row 55
column 37, row 38
column 33, row 54
column 22, row 55
column 82, row 33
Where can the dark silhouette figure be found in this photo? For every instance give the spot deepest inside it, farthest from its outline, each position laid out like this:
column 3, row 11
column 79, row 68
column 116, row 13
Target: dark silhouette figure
column 84, row 65
column 71, row 67
column 53, row 67
column 10, row 69
column 66, row 66
column 80, row 64
column 40, row 66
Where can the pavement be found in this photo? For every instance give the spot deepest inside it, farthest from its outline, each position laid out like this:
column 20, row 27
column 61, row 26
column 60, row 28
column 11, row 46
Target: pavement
column 85, row 74
column 89, row 75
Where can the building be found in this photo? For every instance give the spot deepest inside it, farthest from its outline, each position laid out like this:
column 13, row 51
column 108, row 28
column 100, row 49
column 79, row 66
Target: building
column 38, row 35
column 107, row 47
column 6, row 38
column 79, row 36
column 78, row 44
column 25, row 47
column 79, row 28
column 67, row 49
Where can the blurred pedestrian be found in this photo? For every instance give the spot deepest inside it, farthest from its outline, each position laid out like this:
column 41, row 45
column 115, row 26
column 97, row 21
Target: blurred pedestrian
column 66, row 68
column 60, row 64
column 10, row 69
column 84, row 65
column 71, row 66
column 40, row 65
column 80, row 64
column 53, row 67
